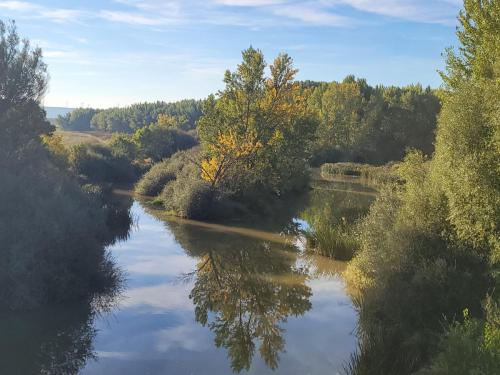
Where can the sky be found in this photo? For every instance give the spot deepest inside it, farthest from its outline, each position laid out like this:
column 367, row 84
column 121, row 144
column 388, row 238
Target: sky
column 117, row 52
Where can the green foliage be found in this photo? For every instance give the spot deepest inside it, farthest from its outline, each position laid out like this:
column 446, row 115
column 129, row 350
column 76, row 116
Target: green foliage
column 372, row 124
column 179, row 187
column 411, row 273
column 23, row 81
column 98, row 163
column 123, row 145
column 136, row 116
column 257, row 133
column 477, row 57
column 153, row 181
column 52, row 234
column 189, row 197
column 472, row 347
column 53, row 237
column 430, row 248
column 338, row 242
column 77, row 120
column 467, row 163
column 159, row 141
column 333, row 218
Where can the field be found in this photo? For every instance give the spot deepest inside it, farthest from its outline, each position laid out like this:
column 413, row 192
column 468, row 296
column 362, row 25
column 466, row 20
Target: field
column 71, row 138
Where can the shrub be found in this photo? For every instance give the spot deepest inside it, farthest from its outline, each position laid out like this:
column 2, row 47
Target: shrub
column 411, row 274
column 53, row 237
column 123, row 145
column 190, row 198
column 98, row 163
column 153, row 182
column 472, row 347
column 159, row 141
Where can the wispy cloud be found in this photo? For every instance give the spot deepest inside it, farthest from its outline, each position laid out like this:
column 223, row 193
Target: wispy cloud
column 262, row 13
column 311, row 14
column 134, row 18
column 249, row 3
column 425, row 11
column 33, row 10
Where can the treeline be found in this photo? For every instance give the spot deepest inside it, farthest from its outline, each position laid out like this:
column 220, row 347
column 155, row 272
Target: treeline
column 53, row 229
column 426, row 272
column 361, row 123
column 129, row 119
column 356, row 122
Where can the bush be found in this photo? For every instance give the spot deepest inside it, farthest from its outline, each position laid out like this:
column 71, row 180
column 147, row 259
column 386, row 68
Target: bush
column 410, row 274
column 53, row 237
column 472, row 347
column 153, row 182
column 159, row 141
column 98, row 163
column 123, row 145
column 190, row 198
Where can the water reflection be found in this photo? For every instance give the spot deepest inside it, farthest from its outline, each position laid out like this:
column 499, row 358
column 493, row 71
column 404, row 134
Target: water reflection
column 244, row 293
column 55, row 340
column 59, row 339
column 196, row 294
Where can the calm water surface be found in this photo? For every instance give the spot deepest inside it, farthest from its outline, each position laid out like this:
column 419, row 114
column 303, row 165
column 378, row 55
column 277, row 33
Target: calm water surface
column 205, row 299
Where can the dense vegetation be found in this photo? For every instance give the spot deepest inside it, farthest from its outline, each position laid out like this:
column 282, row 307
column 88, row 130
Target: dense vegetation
column 426, row 256
column 430, row 248
column 79, row 119
column 255, row 140
column 374, row 125
column 131, row 118
column 52, row 230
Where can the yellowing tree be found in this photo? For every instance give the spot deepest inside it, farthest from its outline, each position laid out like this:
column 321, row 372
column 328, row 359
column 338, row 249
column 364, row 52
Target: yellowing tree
column 256, row 133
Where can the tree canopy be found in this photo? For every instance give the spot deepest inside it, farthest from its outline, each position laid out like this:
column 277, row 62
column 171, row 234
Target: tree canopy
column 258, row 131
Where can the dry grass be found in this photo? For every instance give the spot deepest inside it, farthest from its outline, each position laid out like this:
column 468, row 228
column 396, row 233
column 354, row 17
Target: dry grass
column 71, row 138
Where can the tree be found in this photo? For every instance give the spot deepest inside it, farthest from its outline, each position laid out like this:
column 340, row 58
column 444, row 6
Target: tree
column 258, row 131
column 52, row 234
column 78, row 119
column 467, row 161
column 162, row 139
column 23, row 81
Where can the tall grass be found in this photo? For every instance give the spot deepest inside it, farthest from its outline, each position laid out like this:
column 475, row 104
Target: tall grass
column 369, row 174
column 334, row 241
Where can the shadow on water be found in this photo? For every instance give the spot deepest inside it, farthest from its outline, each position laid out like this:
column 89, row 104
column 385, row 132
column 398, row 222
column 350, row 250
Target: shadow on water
column 58, row 339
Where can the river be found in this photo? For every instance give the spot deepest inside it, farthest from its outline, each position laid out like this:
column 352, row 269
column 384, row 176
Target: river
column 205, row 299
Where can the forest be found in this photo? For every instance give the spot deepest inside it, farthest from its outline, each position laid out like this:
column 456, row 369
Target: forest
column 422, row 262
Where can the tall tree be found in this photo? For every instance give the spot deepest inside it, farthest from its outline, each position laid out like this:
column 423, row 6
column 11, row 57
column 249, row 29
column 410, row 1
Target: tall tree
column 467, row 160
column 23, row 81
column 257, row 132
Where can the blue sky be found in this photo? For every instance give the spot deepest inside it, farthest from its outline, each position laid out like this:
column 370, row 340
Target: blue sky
column 118, row 52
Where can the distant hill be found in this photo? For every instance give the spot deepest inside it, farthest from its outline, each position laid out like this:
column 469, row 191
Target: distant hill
column 53, row 112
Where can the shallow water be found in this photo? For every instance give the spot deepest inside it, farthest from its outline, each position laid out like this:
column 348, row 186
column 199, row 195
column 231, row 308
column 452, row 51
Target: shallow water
column 204, row 299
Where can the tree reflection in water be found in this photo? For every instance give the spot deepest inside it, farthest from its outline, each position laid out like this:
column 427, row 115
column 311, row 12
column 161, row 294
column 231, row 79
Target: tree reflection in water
column 58, row 340
column 244, row 292
column 54, row 340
